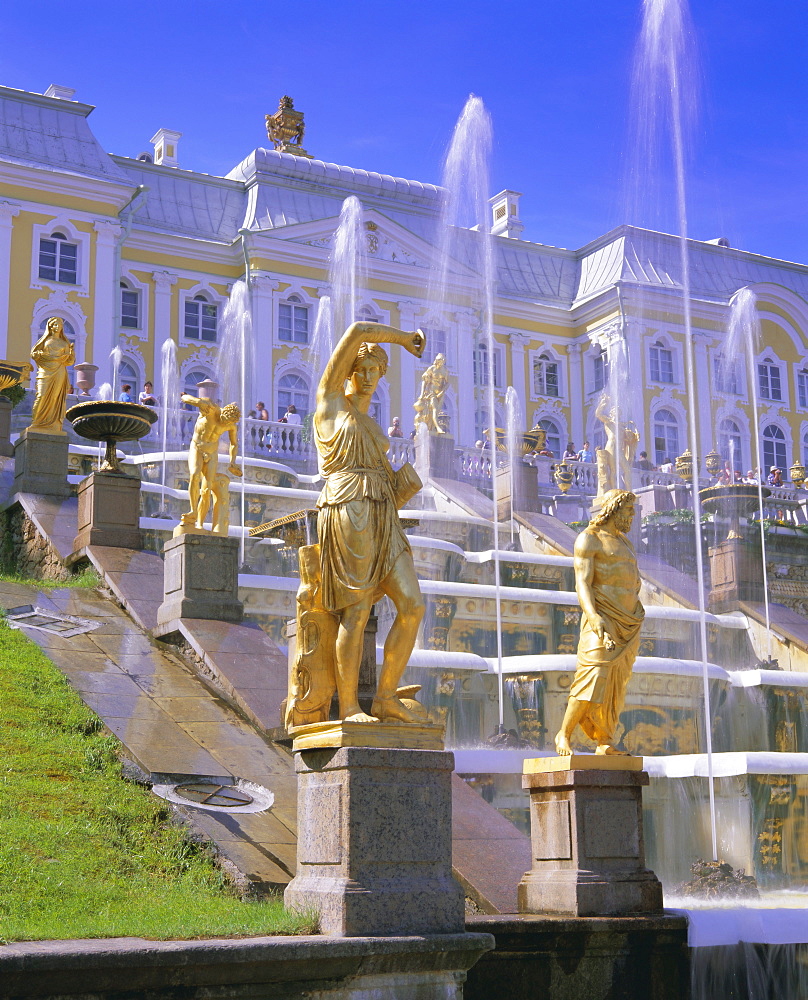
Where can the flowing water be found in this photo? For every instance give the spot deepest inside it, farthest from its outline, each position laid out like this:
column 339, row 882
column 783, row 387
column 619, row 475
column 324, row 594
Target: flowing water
column 170, row 386
column 347, row 268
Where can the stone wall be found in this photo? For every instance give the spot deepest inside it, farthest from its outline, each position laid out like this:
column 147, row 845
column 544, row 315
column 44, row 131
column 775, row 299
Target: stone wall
column 787, row 567
column 25, row 551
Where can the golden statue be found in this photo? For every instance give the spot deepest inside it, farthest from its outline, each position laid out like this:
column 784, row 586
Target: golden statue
column 607, row 582
column 434, row 382
column 362, row 552
column 53, row 354
column 205, row 485
column 610, row 464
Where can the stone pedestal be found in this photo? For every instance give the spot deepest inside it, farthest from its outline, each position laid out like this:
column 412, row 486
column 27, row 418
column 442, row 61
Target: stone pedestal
column 201, row 579
column 440, row 460
column 109, row 511
column 374, row 848
column 6, row 447
column 521, row 482
column 40, row 464
column 587, row 839
column 735, row 574
column 568, row 508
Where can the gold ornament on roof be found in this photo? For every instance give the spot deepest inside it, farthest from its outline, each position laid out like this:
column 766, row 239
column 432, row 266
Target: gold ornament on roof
column 286, row 127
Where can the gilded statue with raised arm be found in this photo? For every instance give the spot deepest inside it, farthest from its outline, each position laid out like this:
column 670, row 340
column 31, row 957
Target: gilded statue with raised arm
column 53, row 354
column 434, row 382
column 607, row 582
column 616, row 458
column 205, row 486
column 362, row 551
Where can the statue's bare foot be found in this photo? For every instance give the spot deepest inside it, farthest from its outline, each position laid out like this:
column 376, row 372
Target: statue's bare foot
column 562, row 745
column 391, row 708
column 360, row 716
column 607, row 750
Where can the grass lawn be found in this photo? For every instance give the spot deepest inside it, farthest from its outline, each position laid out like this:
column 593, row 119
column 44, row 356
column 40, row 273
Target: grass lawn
column 88, row 579
column 84, row 853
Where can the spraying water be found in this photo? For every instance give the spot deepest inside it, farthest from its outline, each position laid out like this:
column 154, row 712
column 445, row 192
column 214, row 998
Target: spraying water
column 236, row 366
column 664, row 84
column 170, row 383
column 115, row 356
column 513, row 411
column 104, row 394
column 742, row 340
column 347, row 268
column 322, row 345
column 464, row 234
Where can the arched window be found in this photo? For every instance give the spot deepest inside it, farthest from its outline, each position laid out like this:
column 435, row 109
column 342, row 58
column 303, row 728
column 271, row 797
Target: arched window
column 293, row 321
column 201, row 319
column 128, row 375
column 130, row 306
column 58, row 259
column 729, row 444
column 666, row 437
column 553, row 436
column 191, row 382
column 292, row 389
column 774, row 448
column 545, row 376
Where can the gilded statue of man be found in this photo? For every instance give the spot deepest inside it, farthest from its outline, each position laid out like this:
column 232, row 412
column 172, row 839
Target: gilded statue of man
column 615, row 462
column 212, row 422
column 364, row 552
column 434, row 382
column 607, row 582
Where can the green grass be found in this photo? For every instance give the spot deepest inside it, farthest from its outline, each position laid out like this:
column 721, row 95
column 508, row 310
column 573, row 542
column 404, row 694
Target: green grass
column 84, row 853
column 88, row 579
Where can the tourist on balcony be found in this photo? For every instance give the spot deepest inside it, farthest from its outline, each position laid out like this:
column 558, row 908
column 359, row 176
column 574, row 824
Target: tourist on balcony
column 147, row 397
column 260, row 412
column 644, row 462
column 667, row 466
column 126, row 394
column 775, row 477
column 291, row 416
column 586, row 454
column 570, row 454
column 750, row 478
column 394, row 430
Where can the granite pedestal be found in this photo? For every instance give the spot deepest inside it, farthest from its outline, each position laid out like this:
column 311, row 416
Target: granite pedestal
column 518, row 487
column 6, row 447
column 109, row 511
column 374, row 849
column 200, row 579
column 440, row 458
column 587, row 839
column 40, row 464
column 735, row 575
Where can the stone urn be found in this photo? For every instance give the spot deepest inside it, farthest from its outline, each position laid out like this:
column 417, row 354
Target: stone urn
column 563, row 477
column 797, row 471
column 12, row 373
column 534, row 440
column 501, row 437
column 732, row 502
column 713, row 463
column 684, row 465
column 111, row 422
column 85, row 377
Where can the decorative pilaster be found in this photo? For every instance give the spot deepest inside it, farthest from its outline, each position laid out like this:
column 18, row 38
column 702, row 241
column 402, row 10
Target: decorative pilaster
column 262, row 288
column 105, row 336
column 407, row 381
column 519, row 372
column 467, row 320
column 8, row 212
column 576, row 392
column 701, row 382
column 163, row 283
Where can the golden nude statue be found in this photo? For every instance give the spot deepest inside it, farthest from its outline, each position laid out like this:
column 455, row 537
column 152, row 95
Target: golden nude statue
column 362, row 552
column 53, row 354
column 205, row 485
column 615, row 463
column 434, row 382
column 607, row 582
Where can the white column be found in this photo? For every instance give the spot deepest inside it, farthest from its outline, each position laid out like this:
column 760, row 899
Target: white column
column 105, row 336
column 519, row 342
column 408, row 391
column 262, row 287
column 163, row 283
column 575, row 395
column 701, row 381
column 8, row 212
column 466, row 322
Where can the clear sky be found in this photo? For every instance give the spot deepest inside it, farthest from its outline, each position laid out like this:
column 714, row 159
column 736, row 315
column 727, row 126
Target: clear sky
column 382, row 83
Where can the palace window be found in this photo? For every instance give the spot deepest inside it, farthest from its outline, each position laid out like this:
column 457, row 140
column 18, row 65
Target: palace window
column 774, row 448
column 666, row 437
column 128, row 375
column 58, row 259
column 600, row 369
column 191, row 382
column 545, row 376
column 293, row 321
column 553, row 436
column 805, row 449
column 201, row 319
column 292, row 390
column 661, row 363
column 802, row 388
column 729, row 444
column 727, row 375
column 482, row 368
column 130, row 306
column 769, row 382
column 436, row 343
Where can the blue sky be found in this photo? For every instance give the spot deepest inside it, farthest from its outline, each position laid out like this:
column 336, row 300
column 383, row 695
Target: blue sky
column 383, row 83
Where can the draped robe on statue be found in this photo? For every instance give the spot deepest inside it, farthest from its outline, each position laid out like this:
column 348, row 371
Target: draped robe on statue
column 358, row 527
column 53, row 355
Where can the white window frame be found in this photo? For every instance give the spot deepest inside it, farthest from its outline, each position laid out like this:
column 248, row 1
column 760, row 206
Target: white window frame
column 141, row 331
column 286, row 372
column 719, row 360
column 801, row 385
column 546, row 355
column 664, row 344
column 83, row 242
column 771, row 361
column 785, row 430
column 293, row 302
column 596, row 352
column 296, row 291
column 677, row 417
column 213, row 298
column 499, row 366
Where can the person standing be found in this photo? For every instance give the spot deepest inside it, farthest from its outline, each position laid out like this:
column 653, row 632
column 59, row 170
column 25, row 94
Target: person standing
column 147, row 397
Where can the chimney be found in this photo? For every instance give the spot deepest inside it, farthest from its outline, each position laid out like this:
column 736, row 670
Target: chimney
column 165, row 147
column 505, row 215
column 62, row 93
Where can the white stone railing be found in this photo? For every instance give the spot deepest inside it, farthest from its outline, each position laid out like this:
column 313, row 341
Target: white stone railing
column 473, row 464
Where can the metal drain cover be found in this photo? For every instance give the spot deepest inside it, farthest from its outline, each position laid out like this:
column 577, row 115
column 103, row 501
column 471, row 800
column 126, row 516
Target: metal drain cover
column 49, row 621
column 208, row 793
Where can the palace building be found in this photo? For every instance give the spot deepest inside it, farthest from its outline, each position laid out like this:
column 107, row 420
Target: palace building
column 131, row 250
